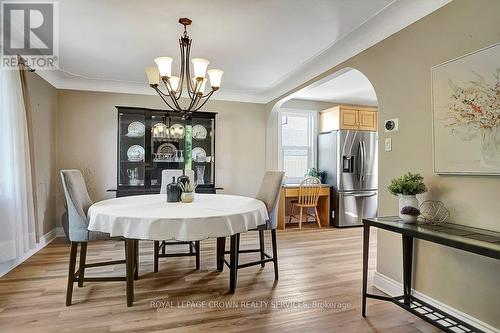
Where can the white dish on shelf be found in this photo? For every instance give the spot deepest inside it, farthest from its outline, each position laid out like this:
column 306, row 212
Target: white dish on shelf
column 199, row 132
column 199, row 154
column 167, row 150
column 136, row 129
column 160, row 131
column 135, row 153
column 176, row 131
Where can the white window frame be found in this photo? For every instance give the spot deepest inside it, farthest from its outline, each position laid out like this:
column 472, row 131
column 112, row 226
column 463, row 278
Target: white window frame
column 312, row 144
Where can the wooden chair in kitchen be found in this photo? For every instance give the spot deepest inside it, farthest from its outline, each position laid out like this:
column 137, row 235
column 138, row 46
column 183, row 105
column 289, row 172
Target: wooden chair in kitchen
column 308, row 199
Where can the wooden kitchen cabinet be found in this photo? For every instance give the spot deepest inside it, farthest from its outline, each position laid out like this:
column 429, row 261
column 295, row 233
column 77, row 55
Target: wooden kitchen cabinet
column 349, row 117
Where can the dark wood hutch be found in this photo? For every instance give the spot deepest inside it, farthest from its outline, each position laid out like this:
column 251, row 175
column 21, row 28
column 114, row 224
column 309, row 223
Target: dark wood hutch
column 150, row 140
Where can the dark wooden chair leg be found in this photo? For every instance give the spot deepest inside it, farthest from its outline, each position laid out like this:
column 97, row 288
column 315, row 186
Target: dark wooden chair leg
column 221, row 248
column 163, row 248
column 275, row 253
column 130, row 263
column 136, row 271
column 81, row 268
column 156, row 250
column 197, row 254
column 261, row 242
column 233, row 271
column 71, row 272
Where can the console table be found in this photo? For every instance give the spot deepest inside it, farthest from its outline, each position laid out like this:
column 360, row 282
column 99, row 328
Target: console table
column 479, row 241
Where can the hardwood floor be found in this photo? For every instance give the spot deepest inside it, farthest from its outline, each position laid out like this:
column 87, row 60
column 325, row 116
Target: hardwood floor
column 315, row 266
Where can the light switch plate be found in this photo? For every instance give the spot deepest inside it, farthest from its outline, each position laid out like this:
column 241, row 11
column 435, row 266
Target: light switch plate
column 388, row 144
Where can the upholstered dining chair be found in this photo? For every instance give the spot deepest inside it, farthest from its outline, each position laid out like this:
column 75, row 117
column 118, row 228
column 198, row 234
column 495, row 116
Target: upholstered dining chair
column 160, row 247
column 309, row 190
column 78, row 202
column 269, row 194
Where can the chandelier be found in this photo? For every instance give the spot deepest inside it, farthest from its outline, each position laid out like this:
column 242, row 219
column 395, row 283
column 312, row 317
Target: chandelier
column 194, row 85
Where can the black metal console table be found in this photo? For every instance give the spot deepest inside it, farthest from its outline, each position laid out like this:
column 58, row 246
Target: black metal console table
column 479, row 241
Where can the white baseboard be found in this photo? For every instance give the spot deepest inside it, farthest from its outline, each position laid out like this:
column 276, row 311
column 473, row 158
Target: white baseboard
column 59, row 232
column 395, row 288
column 44, row 241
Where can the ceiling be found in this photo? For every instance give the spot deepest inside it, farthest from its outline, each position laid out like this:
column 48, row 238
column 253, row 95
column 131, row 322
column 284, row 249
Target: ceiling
column 265, row 47
column 350, row 87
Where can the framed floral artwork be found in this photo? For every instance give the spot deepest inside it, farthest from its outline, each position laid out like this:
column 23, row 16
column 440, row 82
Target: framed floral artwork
column 466, row 114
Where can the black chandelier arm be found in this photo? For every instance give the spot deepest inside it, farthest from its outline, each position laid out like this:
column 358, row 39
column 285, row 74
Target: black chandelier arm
column 181, row 73
column 210, row 93
column 160, row 93
column 206, row 100
column 189, row 84
column 158, row 90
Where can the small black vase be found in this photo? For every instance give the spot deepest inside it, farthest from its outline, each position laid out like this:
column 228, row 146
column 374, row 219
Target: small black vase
column 173, row 191
column 183, row 179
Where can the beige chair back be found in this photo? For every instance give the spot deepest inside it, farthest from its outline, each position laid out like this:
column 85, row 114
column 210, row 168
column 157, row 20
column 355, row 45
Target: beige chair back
column 269, row 193
column 309, row 192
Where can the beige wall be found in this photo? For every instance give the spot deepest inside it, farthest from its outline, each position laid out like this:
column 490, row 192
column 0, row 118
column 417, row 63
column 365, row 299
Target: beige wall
column 399, row 69
column 43, row 100
column 86, row 128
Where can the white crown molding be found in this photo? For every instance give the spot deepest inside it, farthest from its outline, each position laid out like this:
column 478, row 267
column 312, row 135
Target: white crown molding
column 394, row 17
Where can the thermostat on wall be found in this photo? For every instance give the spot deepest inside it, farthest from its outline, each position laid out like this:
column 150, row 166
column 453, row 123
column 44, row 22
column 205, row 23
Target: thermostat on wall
column 391, row 125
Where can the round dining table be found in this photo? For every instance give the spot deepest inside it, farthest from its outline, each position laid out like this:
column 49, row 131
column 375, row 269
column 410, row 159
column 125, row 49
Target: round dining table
column 151, row 217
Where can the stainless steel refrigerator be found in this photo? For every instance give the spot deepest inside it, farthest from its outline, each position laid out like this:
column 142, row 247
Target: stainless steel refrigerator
column 350, row 160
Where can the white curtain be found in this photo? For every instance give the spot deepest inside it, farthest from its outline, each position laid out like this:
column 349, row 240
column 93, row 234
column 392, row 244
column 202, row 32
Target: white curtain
column 17, row 215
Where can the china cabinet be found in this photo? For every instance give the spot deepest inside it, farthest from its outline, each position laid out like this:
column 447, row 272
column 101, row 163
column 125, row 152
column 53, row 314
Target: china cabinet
column 150, row 141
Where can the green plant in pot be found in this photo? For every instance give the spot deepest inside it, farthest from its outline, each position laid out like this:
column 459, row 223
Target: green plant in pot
column 187, row 189
column 407, row 187
column 313, row 172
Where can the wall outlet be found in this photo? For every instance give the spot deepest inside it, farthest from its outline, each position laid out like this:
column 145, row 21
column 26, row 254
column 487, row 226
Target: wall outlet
column 391, row 125
column 388, row 144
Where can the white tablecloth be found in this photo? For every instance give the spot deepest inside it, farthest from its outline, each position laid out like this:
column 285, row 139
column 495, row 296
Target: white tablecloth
column 151, row 217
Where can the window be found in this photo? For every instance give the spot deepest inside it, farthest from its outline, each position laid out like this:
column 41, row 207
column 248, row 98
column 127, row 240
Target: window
column 297, row 141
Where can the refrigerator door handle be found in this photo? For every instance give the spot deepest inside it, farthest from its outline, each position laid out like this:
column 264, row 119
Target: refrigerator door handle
column 359, row 162
column 362, row 161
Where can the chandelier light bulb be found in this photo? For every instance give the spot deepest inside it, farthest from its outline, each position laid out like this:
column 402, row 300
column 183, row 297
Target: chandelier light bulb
column 201, row 86
column 200, row 66
column 174, row 82
column 215, row 76
column 164, row 66
column 153, row 75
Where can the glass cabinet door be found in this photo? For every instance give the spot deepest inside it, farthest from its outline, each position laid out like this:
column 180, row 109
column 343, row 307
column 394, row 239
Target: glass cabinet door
column 167, row 145
column 131, row 146
column 202, row 157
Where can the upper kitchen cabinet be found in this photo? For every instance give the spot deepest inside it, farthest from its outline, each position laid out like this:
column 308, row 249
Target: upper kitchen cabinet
column 348, row 117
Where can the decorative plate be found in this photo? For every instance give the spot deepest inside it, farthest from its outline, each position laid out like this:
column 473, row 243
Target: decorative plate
column 167, row 150
column 199, row 132
column 199, row 154
column 160, row 130
column 136, row 129
column 135, row 153
column 177, row 131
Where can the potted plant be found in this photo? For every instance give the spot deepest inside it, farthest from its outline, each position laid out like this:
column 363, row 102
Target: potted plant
column 187, row 189
column 409, row 214
column 313, row 172
column 407, row 187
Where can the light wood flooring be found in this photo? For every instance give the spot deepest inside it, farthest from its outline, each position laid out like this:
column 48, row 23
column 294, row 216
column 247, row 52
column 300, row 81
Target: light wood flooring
column 315, row 266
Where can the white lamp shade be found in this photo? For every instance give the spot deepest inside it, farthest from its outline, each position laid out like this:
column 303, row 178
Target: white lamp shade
column 164, row 65
column 153, row 75
column 174, row 82
column 215, row 76
column 201, row 87
column 200, row 66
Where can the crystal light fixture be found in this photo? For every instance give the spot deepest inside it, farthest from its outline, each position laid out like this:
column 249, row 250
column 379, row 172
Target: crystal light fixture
column 194, row 85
